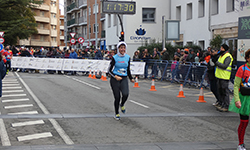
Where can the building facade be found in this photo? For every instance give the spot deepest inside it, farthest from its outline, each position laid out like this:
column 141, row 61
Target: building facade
column 201, row 20
column 47, row 18
column 80, row 18
column 62, row 43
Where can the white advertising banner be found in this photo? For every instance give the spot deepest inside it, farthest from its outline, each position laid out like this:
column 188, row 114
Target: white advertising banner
column 70, row 64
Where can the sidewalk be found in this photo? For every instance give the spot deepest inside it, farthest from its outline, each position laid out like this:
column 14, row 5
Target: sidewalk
column 225, row 145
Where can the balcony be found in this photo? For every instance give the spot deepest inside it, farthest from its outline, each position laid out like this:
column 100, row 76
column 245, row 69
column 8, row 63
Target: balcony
column 72, row 7
column 82, row 3
column 54, row 44
column 42, row 7
column 103, row 34
column 43, row 31
column 72, row 22
column 39, row 43
column 42, row 19
column 53, row 9
column 53, row 33
column 53, row 21
column 61, row 37
column 82, row 21
column 61, row 27
column 102, row 17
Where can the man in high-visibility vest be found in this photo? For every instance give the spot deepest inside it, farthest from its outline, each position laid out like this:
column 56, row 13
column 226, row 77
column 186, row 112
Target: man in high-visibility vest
column 223, row 65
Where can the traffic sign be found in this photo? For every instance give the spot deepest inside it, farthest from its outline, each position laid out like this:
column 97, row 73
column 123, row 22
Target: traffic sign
column 72, row 34
column 1, row 33
column 2, row 40
column 81, row 40
column 1, row 47
column 72, row 41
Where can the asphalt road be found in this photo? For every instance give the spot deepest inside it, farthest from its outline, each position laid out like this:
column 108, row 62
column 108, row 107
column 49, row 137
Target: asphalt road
column 73, row 110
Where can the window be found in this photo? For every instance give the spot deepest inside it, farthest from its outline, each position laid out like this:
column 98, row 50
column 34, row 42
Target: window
column 61, row 33
column 42, row 13
column 95, row 28
column 41, row 26
column 215, row 7
column 148, row 14
column 109, row 20
column 189, row 11
column 53, row 39
column 53, row 3
column 230, row 5
column 95, row 8
column 53, row 27
column 89, row 29
column 85, row 31
column 201, row 8
column 115, row 20
column 178, row 13
column 73, row 16
column 89, row 10
column 53, row 15
column 42, row 38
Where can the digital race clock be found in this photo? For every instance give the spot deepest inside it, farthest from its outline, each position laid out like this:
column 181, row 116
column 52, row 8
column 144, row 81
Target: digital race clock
column 118, row 7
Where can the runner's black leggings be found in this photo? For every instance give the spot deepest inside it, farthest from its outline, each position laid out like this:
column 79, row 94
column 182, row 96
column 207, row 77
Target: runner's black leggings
column 119, row 87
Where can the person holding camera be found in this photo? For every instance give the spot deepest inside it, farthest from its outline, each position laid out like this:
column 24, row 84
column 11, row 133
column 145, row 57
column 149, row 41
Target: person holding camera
column 241, row 101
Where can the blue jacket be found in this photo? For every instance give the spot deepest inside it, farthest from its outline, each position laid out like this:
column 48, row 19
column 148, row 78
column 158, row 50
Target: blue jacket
column 73, row 55
column 98, row 55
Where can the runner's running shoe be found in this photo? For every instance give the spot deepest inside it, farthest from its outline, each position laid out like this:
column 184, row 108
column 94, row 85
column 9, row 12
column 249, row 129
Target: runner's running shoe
column 117, row 117
column 123, row 109
column 241, row 147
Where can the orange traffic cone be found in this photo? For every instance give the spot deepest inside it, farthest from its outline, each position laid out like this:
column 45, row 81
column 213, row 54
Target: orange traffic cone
column 90, row 74
column 153, row 86
column 136, row 83
column 201, row 97
column 181, row 93
column 104, row 77
column 94, row 77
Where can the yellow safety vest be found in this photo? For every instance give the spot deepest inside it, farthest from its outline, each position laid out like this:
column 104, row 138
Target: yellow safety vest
column 221, row 73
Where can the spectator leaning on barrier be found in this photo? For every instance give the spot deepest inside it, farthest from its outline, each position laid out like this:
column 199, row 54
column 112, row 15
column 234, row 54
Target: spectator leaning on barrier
column 91, row 54
column 146, row 57
column 164, row 54
column 2, row 73
column 211, row 76
column 177, row 53
column 223, row 63
column 191, row 56
column 241, row 101
column 98, row 54
column 136, row 56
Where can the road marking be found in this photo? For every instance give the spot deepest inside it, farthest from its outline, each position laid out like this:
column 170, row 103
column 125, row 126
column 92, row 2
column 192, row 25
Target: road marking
column 18, row 106
column 34, row 136
column 139, row 104
column 57, row 127
column 11, row 85
column 27, row 123
column 10, row 82
column 3, row 134
column 13, row 91
column 24, row 113
column 14, row 95
column 93, row 86
column 8, row 88
column 15, row 100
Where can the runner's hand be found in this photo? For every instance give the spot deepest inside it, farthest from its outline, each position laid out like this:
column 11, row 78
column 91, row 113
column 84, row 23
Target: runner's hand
column 118, row 78
column 132, row 80
column 238, row 104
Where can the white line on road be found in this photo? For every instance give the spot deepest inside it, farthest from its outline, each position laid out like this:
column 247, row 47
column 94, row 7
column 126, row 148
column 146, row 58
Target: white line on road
column 15, row 100
column 14, row 95
column 3, row 134
column 93, row 86
column 18, row 106
column 8, row 88
column 57, row 127
column 139, row 104
column 34, row 136
column 13, row 91
column 4, row 85
column 9, row 82
column 24, row 113
column 27, row 123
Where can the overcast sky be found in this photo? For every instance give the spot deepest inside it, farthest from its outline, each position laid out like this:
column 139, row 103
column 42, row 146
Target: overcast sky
column 61, row 4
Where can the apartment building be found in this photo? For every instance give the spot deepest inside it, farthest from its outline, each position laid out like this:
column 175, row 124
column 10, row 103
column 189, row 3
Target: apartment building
column 80, row 18
column 62, row 42
column 201, row 20
column 47, row 17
